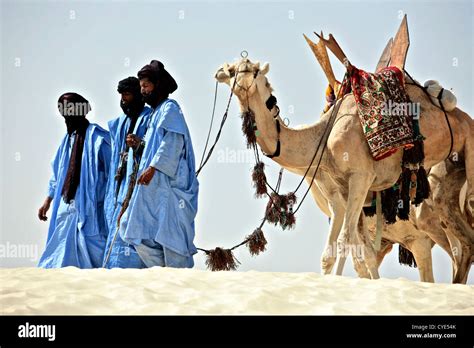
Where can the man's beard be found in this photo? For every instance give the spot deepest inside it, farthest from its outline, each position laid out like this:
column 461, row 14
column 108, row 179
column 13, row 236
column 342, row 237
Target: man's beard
column 134, row 108
column 76, row 123
column 153, row 98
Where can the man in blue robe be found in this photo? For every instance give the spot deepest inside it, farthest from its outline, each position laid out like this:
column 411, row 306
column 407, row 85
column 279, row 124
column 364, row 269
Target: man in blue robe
column 133, row 121
column 160, row 218
column 77, row 231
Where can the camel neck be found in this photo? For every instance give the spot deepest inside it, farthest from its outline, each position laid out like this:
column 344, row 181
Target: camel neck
column 297, row 145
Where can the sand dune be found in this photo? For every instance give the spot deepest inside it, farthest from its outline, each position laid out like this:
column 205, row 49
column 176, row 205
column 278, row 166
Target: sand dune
column 177, row 291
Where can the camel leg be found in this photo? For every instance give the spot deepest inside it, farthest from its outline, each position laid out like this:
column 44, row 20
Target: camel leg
column 456, row 251
column 365, row 253
column 428, row 222
column 421, row 250
column 458, row 231
column 334, row 210
column 469, row 163
column 461, row 258
column 358, row 253
column 463, row 266
column 359, row 185
column 328, row 259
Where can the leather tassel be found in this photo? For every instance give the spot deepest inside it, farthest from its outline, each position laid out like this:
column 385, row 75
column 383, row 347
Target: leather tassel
column 256, row 242
column 422, row 186
column 220, row 259
column 404, row 211
column 405, row 257
column 259, row 180
column 249, row 128
column 413, row 181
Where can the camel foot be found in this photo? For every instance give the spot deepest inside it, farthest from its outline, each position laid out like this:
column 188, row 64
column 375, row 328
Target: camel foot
column 327, row 266
column 327, row 262
column 360, row 267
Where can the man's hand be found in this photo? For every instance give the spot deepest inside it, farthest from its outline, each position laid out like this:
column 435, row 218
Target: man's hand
column 133, row 141
column 146, row 176
column 44, row 209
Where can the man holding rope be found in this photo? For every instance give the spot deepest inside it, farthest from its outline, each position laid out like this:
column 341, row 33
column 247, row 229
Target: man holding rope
column 133, row 120
column 159, row 220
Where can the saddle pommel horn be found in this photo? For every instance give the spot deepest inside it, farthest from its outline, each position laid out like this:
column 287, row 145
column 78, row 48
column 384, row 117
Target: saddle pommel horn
column 334, row 47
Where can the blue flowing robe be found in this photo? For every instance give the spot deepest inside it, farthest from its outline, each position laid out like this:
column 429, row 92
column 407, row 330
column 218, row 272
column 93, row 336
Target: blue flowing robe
column 164, row 210
column 122, row 254
column 77, row 231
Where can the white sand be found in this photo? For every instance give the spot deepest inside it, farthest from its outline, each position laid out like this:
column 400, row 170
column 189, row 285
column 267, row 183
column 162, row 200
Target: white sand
column 176, row 291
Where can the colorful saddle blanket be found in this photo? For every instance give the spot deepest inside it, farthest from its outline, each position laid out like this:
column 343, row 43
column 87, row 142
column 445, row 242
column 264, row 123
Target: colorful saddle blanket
column 384, row 110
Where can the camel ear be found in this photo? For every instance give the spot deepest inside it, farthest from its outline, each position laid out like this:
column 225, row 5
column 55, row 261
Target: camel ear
column 265, row 68
column 223, row 74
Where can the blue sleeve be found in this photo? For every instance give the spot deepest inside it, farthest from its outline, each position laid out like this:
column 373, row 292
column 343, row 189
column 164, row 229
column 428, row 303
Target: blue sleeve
column 166, row 159
column 53, row 181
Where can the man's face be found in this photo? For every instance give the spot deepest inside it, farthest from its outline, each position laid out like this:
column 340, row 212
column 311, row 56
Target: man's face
column 146, row 87
column 127, row 97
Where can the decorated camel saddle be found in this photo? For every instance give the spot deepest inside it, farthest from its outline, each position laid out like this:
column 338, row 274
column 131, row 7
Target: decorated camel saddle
column 387, row 116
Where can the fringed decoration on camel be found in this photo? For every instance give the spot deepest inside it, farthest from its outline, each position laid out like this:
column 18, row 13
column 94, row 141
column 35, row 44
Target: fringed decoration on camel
column 280, row 210
column 249, row 128
column 220, row 259
column 259, row 179
column 405, row 257
column 256, row 242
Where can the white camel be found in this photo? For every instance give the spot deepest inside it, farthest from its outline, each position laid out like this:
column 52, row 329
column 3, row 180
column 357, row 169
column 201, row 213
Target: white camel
column 347, row 171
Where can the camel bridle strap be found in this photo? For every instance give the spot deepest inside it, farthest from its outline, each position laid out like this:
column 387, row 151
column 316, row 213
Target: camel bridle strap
column 205, row 158
column 223, row 258
column 270, row 104
column 224, row 118
column 440, row 94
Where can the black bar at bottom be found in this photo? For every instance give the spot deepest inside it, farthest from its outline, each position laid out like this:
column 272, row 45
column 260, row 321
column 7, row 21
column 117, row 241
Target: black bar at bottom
column 333, row 330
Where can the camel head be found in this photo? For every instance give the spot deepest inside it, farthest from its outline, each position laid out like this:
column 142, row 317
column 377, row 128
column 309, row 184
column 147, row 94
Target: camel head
column 251, row 79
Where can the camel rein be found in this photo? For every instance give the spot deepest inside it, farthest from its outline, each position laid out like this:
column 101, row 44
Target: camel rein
column 223, row 259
